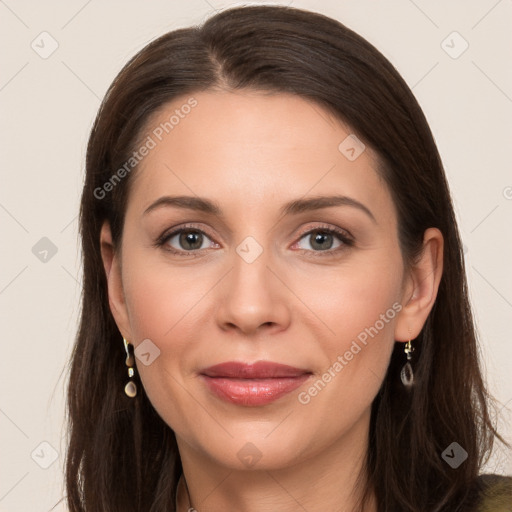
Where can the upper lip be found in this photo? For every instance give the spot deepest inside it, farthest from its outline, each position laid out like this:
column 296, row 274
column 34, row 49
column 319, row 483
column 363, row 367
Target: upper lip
column 257, row 370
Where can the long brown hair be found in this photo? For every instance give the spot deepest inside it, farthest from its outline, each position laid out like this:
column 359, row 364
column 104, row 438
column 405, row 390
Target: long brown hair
column 122, row 456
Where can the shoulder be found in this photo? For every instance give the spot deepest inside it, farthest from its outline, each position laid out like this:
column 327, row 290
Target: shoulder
column 494, row 493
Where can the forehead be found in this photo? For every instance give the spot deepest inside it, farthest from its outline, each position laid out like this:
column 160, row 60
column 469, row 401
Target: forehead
column 253, row 146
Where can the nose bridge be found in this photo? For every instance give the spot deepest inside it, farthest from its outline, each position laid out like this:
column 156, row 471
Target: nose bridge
column 251, row 260
column 252, row 296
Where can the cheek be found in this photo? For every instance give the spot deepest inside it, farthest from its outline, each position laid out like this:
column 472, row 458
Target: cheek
column 161, row 300
column 358, row 305
column 353, row 298
column 163, row 306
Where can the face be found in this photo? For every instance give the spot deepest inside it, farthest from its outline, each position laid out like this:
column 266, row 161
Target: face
column 256, row 266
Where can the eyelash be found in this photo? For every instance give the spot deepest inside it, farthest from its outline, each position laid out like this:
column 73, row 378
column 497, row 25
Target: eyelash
column 343, row 236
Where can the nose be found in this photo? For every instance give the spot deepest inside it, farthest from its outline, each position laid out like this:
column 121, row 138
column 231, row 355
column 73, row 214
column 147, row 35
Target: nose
column 253, row 297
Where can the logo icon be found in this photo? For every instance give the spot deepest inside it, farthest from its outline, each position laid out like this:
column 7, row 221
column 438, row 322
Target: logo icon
column 351, row 147
column 454, row 455
column 44, row 45
column 44, row 250
column 249, row 455
column 249, row 249
column 44, row 455
column 454, row 45
column 147, row 352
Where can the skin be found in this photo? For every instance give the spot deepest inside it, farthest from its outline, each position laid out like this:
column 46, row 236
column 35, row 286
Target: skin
column 296, row 304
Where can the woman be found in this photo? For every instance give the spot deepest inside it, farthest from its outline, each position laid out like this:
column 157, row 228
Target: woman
column 225, row 359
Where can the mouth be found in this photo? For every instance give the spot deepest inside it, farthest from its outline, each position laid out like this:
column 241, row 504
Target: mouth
column 254, row 384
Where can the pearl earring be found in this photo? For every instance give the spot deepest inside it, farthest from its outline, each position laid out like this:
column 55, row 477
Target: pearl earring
column 130, row 388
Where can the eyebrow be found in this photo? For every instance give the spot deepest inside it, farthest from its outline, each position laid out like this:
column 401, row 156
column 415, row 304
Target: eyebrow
column 291, row 208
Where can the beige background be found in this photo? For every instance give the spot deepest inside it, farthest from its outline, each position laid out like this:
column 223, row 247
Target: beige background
column 47, row 109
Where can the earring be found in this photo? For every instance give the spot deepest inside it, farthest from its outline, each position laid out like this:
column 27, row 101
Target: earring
column 130, row 388
column 406, row 374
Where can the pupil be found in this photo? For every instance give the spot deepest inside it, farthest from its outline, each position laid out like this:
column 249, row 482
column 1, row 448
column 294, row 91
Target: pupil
column 319, row 238
column 191, row 238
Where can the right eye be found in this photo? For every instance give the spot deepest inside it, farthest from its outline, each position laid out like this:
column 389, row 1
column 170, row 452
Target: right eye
column 184, row 240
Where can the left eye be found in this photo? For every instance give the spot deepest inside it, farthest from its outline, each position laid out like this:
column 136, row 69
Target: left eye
column 323, row 240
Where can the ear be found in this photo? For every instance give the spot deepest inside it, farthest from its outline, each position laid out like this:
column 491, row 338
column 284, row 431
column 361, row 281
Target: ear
column 420, row 287
column 112, row 266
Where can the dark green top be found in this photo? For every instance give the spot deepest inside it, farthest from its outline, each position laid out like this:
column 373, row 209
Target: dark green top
column 493, row 494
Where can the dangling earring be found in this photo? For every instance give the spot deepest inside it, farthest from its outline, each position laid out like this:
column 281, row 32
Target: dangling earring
column 131, row 388
column 407, row 375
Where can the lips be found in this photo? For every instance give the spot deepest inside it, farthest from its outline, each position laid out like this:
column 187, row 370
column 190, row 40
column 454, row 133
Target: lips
column 254, row 384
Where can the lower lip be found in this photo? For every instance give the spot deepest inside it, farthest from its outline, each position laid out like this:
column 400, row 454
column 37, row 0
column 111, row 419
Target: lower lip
column 253, row 392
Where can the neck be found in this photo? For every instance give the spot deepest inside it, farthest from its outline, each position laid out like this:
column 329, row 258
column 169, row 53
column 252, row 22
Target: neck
column 326, row 481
